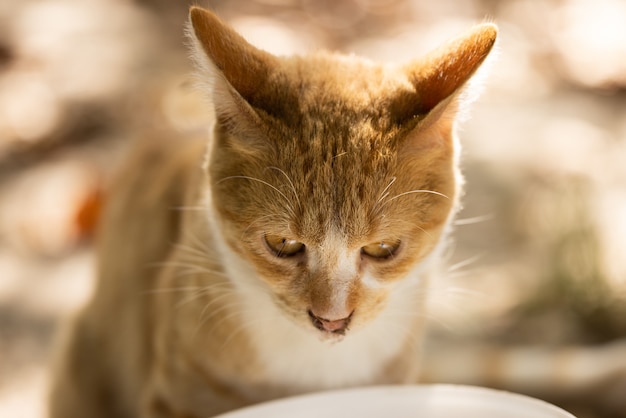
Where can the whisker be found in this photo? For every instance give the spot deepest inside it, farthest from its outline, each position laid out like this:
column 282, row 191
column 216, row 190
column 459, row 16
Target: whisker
column 158, row 290
column 415, row 192
column 172, row 289
column 203, row 292
column 202, row 245
column 203, row 318
column 385, row 191
column 245, row 231
column 461, row 291
column 466, row 262
column 238, row 303
column 237, row 307
column 265, row 183
column 246, row 324
column 188, row 267
column 183, row 208
column 191, row 250
column 422, row 315
column 424, row 231
column 194, row 296
column 293, row 188
column 460, row 273
column 473, row 220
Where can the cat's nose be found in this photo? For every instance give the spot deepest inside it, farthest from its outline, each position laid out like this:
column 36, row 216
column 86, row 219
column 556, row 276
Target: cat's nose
column 335, row 326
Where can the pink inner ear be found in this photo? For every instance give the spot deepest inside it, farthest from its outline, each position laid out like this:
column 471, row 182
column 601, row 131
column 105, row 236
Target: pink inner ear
column 445, row 70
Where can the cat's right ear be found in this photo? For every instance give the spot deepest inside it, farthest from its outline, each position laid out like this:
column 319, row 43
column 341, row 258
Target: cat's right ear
column 233, row 70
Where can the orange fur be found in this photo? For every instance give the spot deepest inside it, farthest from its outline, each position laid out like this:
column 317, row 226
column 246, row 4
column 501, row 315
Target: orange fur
column 333, row 152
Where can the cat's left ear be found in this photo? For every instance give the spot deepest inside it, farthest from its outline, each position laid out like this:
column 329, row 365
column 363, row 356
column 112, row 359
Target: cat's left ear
column 439, row 79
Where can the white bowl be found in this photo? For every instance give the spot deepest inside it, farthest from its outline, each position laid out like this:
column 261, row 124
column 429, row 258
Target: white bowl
column 418, row 401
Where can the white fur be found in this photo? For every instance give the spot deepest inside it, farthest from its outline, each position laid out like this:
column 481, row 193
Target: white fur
column 294, row 356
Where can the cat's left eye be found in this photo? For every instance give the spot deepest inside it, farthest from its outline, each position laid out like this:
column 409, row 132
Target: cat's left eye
column 283, row 247
column 381, row 250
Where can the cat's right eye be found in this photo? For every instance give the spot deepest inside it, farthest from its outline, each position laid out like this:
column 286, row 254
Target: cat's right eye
column 283, row 247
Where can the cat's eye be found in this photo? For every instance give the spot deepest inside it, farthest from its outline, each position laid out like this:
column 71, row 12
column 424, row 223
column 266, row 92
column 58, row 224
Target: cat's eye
column 283, row 247
column 381, row 250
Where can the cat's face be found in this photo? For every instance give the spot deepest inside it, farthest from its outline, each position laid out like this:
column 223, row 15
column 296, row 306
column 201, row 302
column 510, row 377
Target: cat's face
column 330, row 207
column 333, row 178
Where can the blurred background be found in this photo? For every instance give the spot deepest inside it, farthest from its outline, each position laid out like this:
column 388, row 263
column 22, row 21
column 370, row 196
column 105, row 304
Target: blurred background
column 539, row 256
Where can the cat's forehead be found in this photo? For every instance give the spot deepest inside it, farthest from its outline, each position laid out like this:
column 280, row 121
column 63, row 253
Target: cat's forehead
column 338, row 133
column 349, row 82
column 336, row 97
column 349, row 70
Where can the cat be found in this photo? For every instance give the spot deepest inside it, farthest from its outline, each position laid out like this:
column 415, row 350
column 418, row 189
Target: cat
column 290, row 250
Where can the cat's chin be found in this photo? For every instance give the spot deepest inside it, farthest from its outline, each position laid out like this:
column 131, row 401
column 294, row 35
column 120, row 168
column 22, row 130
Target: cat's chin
column 330, row 337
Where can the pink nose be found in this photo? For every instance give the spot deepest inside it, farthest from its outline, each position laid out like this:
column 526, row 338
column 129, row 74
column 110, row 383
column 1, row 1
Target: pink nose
column 335, row 326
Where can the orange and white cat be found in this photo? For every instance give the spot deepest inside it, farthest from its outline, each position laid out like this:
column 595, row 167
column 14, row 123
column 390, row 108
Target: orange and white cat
column 314, row 216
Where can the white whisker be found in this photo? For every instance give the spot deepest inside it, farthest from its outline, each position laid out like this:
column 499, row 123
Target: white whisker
column 237, row 307
column 202, row 245
column 265, row 183
column 293, row 188
column 461, row 291
column 424, row 231
column 203, row 314
column 245, row 231
column 466, row 262
column 207, row 290
column 385, row 191
column 473, row 220
column 190, row 208
column 191, row 250
column 188, row 267
column 172, row 289
column 415, row 192
column 460, row 273
column 194, row 296
column 246, row 324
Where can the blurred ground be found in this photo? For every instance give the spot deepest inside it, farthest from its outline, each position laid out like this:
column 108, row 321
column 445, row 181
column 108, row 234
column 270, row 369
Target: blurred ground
column 540, row 255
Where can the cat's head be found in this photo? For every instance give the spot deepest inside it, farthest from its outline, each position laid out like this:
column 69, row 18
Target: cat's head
column 332, row 177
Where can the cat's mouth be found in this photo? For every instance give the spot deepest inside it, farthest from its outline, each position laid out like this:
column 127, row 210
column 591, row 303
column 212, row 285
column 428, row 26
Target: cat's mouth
column 331, row 326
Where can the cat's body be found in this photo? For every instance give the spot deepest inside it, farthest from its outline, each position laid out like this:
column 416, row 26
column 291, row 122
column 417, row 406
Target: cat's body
column 292, row 256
